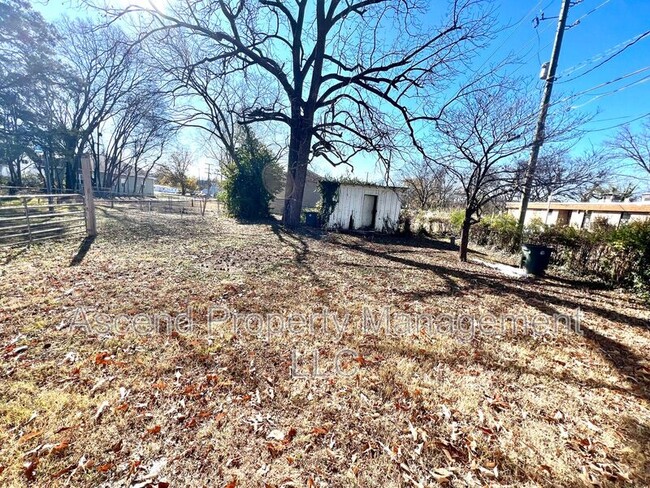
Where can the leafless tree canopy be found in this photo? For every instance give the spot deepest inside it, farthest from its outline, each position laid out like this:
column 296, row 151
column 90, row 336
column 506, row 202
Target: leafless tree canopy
column 429, row 187
column 562, row 176
column 345, row 82
column 632, row 147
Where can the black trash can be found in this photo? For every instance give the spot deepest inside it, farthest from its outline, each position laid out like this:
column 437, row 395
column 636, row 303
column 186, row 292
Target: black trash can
column 535, row 258
column 311, row 219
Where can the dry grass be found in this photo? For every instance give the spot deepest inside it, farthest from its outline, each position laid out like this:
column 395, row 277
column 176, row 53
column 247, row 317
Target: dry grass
column 212, row 407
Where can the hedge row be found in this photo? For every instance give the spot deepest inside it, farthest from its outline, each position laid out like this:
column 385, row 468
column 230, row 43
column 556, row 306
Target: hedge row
column 619, row 256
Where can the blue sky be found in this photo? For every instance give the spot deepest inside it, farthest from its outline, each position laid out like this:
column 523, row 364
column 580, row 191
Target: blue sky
column 605, row 25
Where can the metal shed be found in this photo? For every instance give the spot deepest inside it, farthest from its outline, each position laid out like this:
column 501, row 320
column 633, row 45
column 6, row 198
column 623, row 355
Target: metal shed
column 366, row 207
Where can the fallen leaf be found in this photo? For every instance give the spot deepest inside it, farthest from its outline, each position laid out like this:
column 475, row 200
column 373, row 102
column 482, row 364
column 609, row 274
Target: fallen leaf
column 64, row 471
column 28, row 469
column 60, row 447
column 105, row 467
column 117, row 447
column 441, row 475
column 291, row 434
column 101, row 358
column 319, row 431
column 276, row 434
column 275, row 448
column 29, row 436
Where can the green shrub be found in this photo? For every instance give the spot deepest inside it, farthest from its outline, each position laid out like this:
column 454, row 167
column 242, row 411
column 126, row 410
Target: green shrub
column 247, row 191
column 499, row 231
column 456, row 219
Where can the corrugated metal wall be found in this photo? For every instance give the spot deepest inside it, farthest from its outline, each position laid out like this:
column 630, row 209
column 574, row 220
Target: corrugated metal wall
column 350, row 205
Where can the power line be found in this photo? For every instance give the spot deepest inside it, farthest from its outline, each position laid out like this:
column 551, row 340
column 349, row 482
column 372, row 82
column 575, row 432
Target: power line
column 579, row 19
column 597, row 57
column 639, row 117
column 617, row 90
column 601, row 85
column 514, row 29
column 609, row 58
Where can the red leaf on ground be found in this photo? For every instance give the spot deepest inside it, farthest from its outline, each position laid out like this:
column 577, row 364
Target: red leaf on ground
column 100, row 358
column 29, row 467
column 64, row 471
column 29, row 436
column 105, row 467
column 290, row 435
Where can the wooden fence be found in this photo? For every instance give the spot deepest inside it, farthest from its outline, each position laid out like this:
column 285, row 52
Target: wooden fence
column 26, row 219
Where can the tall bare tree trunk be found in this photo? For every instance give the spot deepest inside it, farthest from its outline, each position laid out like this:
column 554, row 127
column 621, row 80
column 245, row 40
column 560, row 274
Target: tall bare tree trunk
column 299, row 147
column 464, row 236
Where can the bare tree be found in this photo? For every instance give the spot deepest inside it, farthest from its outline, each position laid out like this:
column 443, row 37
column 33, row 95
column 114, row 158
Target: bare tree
column 134, row 139
column 631, row 147
column 344, row 83
column 429, row 187
column 103, row 66
column 561, row 175
column 479, row 135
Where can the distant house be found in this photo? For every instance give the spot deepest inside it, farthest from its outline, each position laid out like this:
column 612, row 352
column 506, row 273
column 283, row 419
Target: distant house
column 581, row 214
column 128, row 183
column 311, row 196
column 367, row 206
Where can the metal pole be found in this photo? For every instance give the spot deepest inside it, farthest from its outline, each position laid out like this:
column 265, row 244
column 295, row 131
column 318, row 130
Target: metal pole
column 546, row 98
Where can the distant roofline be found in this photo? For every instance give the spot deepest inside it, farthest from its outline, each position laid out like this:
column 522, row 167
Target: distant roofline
column 631, row 207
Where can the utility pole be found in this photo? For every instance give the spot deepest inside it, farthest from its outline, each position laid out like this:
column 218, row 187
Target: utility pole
column 541, row 122
column 209, row 165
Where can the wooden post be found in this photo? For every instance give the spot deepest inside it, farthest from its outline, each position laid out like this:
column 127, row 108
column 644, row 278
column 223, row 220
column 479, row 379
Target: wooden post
column 89, row 202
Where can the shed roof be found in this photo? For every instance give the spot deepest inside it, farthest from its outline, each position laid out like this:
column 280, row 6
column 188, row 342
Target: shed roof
column 375, row 185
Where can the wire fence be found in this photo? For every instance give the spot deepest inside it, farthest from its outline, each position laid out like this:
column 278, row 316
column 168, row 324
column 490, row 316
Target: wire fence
column 164, row 204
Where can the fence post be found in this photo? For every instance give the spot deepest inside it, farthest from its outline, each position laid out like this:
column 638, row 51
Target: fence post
column 89, row 207
column 29, row 227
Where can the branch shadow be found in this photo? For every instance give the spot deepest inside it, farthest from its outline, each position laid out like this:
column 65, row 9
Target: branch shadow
column 498, row 284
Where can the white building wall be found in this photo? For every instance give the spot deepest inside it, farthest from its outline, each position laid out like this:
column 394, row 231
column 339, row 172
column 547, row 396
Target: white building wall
column 613, row 218
column 638, row 217
column 350, row 205
column 577, row 219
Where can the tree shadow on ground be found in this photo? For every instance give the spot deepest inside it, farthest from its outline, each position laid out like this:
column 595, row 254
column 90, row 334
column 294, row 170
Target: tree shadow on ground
column 297, row 241
column 82, row 251
column 498, row 284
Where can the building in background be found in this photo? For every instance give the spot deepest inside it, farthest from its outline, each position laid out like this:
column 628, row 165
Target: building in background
column 127, row 183
column 311, row 197
column 581, row 214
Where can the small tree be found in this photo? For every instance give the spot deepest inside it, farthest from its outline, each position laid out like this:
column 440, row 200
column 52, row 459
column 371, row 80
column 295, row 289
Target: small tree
column 176, row 172
column 249, row 176
column 428, row 187
column 479, row 135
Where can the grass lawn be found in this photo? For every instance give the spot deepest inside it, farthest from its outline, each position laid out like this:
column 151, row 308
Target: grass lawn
column 90, row 395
